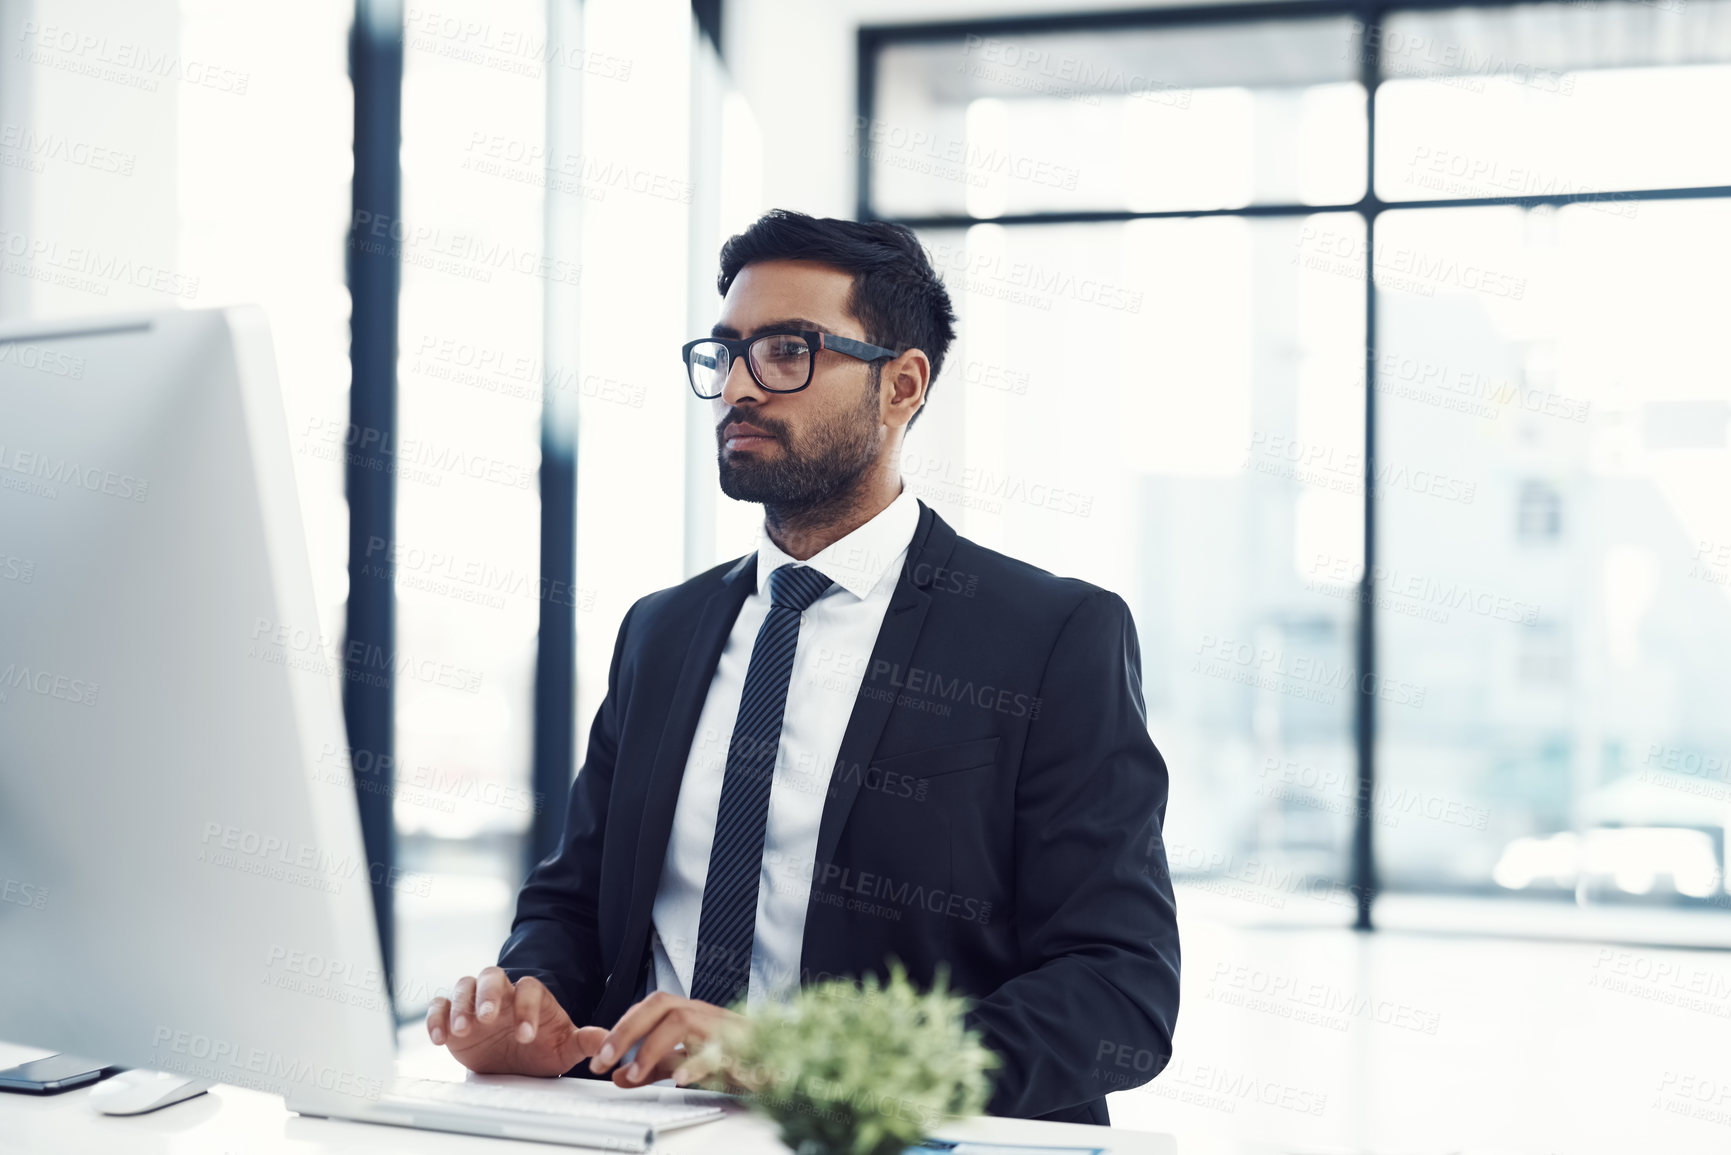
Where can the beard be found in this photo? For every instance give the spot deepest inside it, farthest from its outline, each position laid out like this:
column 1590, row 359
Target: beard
column 809, row 475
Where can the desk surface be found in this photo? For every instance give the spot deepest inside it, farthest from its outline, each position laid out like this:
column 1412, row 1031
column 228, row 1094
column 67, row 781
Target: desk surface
column 230, row 1120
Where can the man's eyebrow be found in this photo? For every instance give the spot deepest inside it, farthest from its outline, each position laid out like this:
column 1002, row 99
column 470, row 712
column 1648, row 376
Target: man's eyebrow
column 783, row 325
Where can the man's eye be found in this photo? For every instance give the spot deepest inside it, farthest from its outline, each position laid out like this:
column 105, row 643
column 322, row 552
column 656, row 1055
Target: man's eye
column 786, row 349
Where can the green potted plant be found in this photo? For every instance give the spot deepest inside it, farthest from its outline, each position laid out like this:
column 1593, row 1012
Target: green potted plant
column 856, row 1068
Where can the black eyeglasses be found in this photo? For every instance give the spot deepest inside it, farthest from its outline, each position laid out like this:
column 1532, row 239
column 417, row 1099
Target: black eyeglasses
column 778, row 362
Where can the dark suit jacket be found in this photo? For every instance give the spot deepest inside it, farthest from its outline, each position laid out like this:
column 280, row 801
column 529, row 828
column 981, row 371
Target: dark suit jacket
column 996, row 808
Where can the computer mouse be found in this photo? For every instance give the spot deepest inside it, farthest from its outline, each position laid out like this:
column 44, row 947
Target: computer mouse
column 135, row 1092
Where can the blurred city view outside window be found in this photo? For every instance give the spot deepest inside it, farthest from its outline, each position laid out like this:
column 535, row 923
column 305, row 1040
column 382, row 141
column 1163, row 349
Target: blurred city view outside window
column 1553, row 579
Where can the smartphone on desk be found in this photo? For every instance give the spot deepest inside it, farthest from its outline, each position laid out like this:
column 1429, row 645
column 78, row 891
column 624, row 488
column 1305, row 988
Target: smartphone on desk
column 51, row 1075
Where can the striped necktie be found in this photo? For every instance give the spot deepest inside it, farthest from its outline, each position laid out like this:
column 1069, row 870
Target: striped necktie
column 727, row 923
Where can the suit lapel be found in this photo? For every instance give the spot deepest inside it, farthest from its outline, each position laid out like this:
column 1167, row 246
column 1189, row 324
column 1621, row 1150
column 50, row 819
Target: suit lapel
column 696, row 671
column 930, row 549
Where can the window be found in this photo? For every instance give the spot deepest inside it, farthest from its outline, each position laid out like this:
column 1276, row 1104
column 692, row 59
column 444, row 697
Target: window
column 1179, row 270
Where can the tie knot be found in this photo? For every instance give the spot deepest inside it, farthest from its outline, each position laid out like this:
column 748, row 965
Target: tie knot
column 795, row 587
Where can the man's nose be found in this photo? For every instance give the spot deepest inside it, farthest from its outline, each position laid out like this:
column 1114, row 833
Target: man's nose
column 741, row 384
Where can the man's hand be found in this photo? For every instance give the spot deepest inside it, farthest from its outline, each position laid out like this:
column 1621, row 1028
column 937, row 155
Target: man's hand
column 495, row 1028
column 668, row 1031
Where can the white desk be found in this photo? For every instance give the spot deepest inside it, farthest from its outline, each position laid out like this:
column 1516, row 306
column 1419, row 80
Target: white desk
column 235, row 1121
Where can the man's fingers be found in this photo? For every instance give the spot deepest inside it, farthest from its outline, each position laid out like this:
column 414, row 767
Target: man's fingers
column 438, row 1020
column 663, row 1070
column 656, row 1049
column 463, row 1006
column 492, row 994
column 632, row 1025
column 566, row 1045
column 696, row 1066
column 528, row 1009
column 589, row 1040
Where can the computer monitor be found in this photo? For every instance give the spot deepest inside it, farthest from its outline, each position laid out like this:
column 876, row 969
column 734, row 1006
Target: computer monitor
column 182, row 886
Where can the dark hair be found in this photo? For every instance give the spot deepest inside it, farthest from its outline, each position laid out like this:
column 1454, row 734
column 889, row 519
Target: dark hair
column 897, row 295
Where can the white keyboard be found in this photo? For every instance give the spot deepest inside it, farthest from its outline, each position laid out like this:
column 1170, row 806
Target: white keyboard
column 554, row 1101
column 556, row 1113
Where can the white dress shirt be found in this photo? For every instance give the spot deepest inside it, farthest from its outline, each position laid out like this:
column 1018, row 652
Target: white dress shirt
column 836, row 637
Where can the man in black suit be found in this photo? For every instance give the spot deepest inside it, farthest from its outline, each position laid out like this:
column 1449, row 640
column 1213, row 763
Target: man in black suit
column 872, row 739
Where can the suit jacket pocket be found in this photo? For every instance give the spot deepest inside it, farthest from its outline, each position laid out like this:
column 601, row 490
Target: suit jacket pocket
column 935, row 760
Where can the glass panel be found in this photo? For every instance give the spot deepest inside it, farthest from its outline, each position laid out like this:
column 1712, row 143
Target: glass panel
column 1556, row 569
column 629, row 324
column 482, row 283
column 1559, row 98
column 1189, row 118
column 468, row 513
column 263, row 213
column 1127, row 399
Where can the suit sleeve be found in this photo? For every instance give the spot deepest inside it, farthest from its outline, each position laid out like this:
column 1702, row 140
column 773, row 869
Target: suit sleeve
column 1097, row 1000
column 554, row 936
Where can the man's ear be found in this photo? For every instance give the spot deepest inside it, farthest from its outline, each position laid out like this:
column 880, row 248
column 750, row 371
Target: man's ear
column 907, row 378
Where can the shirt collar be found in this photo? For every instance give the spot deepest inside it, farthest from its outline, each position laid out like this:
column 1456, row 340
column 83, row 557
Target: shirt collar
column 861, row 559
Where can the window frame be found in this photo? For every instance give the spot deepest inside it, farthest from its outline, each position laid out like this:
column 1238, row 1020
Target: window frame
column 874, row 40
